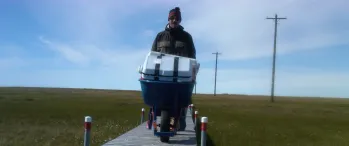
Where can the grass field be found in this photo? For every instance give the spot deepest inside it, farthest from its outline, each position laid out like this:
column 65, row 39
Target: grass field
column 39, row 116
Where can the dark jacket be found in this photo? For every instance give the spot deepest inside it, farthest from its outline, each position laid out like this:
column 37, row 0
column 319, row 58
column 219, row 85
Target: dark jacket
column 174, row 41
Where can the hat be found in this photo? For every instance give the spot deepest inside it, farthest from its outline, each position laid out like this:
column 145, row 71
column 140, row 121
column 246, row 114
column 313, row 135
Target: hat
column 175, row 13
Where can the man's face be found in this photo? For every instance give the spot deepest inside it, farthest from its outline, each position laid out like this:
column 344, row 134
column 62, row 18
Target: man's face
column 173, row 22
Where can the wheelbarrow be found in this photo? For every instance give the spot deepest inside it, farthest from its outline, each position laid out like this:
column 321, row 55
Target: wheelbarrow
column 166, row 99
column 167, row 83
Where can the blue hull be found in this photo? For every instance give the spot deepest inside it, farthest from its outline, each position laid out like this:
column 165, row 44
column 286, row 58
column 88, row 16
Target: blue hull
column 167, row 95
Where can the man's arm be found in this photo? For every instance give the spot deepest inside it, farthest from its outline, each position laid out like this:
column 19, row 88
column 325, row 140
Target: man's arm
column 155, row 43
column 192, row 50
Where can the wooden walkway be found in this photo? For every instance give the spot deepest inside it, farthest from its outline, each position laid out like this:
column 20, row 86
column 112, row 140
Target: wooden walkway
column 141, row 136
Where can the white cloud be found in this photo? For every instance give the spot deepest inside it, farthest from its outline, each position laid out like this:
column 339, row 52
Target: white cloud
column 93, row 21
column 67, row 52
column 84, row 54
column 239, row 28
column 9, row 62
column 149, row 33
column 10, row 56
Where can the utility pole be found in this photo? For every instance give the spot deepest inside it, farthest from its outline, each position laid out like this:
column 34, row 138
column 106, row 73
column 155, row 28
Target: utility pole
column 215, row 78
column 276, row 18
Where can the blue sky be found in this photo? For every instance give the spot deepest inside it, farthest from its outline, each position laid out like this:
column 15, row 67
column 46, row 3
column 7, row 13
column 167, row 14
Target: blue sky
column 99, row 44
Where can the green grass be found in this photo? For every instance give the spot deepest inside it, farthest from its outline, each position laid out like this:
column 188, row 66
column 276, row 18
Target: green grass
column 39, row 116
column 289, row 121
column 56, row 117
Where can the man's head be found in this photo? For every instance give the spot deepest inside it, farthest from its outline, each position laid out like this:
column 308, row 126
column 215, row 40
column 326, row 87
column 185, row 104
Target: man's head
column 174, row 17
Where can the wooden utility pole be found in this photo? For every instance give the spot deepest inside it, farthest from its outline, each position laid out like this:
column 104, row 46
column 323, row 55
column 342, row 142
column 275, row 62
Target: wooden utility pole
column 215, row 78
column 276, row 18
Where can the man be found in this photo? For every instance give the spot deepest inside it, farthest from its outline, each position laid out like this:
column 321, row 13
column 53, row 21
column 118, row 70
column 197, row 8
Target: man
column 174, row 40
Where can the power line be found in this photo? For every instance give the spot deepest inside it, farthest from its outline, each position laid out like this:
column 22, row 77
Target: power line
column 276, row 18
column 215, row 78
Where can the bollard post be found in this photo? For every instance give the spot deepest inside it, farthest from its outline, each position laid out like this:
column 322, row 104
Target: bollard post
column 87, row 125
column 191, row 107
column 192, row 112
column 142, row 116
column 196, row 116
column 204, row 121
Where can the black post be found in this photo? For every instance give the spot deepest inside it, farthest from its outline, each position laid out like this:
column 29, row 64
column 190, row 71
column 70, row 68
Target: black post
column 215, row 78
column 274, row 57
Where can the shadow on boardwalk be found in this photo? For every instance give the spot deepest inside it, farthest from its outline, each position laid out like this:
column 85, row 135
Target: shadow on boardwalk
column 189, row 141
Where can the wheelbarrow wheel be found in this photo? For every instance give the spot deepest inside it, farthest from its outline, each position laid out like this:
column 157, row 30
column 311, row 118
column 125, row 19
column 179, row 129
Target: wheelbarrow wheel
column 165, row 125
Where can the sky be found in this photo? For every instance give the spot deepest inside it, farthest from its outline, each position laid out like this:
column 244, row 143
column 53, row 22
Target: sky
column 100, row 44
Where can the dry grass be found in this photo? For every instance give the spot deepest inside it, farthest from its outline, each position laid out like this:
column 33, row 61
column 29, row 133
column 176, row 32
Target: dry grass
column 38, row 116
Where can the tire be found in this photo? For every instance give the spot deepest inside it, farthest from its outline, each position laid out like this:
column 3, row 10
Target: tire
column 165, row 125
